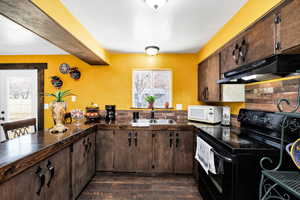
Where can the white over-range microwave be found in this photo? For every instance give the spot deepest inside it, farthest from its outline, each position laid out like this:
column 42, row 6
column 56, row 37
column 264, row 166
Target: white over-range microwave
column 207, row 114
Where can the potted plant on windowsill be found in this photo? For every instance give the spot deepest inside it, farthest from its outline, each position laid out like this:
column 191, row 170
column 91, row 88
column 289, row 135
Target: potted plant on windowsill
column 151, row 101
column 58, row 108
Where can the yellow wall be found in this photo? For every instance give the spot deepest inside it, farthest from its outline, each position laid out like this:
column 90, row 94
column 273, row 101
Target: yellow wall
column 112, row 85
column 56, row 10
column 248, row 14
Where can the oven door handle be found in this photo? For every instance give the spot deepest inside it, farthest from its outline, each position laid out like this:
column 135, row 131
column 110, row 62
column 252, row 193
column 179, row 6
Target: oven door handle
column 225, row 158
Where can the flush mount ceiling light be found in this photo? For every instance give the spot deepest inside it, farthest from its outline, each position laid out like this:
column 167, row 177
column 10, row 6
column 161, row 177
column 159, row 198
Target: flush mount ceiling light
column 156, row 4
column 152, row 50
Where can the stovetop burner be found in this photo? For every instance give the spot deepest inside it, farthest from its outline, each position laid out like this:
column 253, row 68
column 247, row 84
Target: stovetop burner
column 234, row 139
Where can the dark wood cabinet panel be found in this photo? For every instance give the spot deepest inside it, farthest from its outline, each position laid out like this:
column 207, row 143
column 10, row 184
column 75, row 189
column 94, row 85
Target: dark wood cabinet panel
column 104, row 150
column 123, row 151
column 78, row 167
column 213, row 75
column 83, row 163
column 58, row 177
column 290, row 25
column 91, row 157
column 260, row 40
column 183, row 156
column 208, row 75
column 36, row 183
column 202, row 80
column 164, row 151
column 227, row 60
column 143, row 149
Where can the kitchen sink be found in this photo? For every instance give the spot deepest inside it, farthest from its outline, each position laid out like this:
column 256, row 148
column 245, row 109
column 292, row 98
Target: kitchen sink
column 149, row 122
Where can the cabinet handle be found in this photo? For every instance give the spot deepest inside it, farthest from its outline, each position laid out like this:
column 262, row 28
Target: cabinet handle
column 51, row 172
column 129, row 139
column 135, row 139
column 171, row 140
column 207, row 93
column 41, row 177
column 177, row 140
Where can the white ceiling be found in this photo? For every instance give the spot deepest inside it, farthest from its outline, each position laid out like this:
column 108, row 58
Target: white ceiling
column 181, row 26
column 16, row 40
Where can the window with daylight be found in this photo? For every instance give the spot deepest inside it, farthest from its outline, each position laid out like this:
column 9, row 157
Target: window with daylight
column 156, row 83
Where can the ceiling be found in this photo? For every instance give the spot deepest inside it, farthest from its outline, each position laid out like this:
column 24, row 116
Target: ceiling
column 16, row 40
column 181, row 26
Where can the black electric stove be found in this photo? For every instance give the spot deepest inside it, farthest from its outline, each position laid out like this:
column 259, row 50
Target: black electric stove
column 238, row 152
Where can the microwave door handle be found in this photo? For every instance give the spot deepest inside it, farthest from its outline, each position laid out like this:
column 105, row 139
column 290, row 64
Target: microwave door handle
column 225, row 158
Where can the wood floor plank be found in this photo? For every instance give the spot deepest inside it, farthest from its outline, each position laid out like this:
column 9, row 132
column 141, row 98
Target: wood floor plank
column 132, row 187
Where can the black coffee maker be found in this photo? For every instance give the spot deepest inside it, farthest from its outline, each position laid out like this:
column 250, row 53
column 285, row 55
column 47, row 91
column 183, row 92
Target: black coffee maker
column 110, row 113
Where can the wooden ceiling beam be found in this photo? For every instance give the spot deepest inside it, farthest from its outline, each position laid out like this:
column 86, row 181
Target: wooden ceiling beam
column 28, row 15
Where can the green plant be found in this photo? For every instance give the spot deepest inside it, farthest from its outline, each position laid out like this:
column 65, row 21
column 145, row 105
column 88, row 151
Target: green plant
column 150, row 99
column 59, row 95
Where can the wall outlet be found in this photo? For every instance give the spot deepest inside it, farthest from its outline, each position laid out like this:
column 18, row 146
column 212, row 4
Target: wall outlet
column 46, row 106
column 73, row 98
column 178, row 106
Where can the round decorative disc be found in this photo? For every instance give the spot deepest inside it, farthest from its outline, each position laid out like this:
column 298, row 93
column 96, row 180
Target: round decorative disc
column 64, row 68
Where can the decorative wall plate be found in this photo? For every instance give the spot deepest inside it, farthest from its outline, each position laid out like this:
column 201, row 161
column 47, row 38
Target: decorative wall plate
column 56, row 81
column 75, row 73
column 64, row 68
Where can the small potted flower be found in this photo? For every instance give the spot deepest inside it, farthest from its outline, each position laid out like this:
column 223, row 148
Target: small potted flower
column 151, row 101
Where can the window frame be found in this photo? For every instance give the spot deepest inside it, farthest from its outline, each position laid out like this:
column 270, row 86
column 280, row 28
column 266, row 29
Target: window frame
column 170, row 87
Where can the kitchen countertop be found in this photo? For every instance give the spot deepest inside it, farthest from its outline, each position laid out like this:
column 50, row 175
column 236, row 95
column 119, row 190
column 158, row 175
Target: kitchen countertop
column 18, row 154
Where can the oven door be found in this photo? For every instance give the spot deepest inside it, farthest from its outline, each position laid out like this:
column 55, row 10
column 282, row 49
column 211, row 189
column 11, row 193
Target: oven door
column 219, row 186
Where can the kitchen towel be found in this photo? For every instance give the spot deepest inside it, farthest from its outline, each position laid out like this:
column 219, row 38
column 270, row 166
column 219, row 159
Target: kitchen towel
column 205, row 156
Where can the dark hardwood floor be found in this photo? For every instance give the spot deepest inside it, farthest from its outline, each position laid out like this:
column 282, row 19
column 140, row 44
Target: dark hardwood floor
column 131, row 187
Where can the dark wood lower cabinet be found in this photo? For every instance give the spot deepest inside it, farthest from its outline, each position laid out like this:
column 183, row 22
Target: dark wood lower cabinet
column 123, row 151
column 183, row 156
column 83, row 163
column 49, row 179
column 104, row 150
column 57, row 185
column 163, row 146
column 143, row 149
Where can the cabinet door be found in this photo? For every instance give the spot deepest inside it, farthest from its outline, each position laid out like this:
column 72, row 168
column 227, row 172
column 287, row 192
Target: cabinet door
column 79, row 166
column 123, row 148
column 58, row 177
column 202, row 80
column 91, row 159
column 228, row 61
column 143, row 151
column 104, row 150
column 183, row 157
column 290, row 25
column 25, row 185
column 164, row 151
column 260, row 40
column 213, row 75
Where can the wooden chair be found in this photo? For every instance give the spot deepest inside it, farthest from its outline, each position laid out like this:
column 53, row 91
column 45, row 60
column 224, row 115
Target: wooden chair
column 18, row 128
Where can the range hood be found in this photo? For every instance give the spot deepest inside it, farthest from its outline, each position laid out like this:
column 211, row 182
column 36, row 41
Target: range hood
column 275, row 66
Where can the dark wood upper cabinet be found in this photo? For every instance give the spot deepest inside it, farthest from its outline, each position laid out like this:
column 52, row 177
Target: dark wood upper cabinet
column 255, row 43
column 104, row 150
column 208, row 74
column 259, row 40
column 290, row 26
column 202, row 80
column 183, row 156
column 229, row 54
